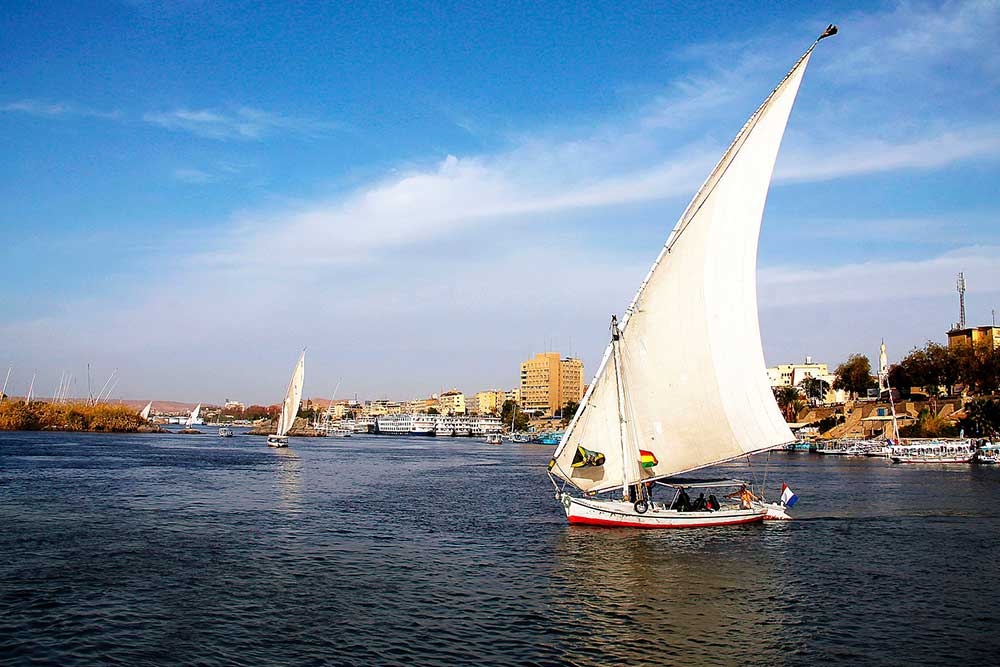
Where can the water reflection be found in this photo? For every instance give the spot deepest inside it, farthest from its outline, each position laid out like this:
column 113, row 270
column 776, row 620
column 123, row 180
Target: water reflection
column 657, row 595
column 289, row 480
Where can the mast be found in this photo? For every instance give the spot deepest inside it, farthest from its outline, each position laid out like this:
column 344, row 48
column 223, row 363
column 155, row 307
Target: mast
column 3, row 392
column 620, row 396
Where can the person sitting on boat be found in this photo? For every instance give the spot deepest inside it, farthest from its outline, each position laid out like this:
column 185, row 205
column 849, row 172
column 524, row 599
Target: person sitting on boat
column 700, row 504
column 745, row 495
column 713, row 503
column 683, row 502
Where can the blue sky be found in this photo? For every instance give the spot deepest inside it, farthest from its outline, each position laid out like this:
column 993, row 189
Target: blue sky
column 425, row 195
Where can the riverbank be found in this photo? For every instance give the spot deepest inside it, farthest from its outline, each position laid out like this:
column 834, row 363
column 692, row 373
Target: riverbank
column 100, row 418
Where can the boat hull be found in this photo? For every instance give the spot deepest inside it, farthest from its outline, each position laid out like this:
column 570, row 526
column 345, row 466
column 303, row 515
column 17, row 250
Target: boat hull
column 932, row 459
column 277, row 441
column 611, row 513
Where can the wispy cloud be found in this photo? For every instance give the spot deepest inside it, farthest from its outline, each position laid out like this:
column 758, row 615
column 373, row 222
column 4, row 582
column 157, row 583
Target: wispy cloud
column 193, row 176
column 56, row 110
column 244, row 123
column 879, row 280
column 868, row 155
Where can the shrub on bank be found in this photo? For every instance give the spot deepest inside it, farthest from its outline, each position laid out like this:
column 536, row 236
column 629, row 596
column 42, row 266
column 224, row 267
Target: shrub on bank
column 18, row 416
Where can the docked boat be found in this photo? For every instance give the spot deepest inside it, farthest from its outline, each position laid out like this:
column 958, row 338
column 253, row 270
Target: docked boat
column 520, row 438
column 988, row 453
column 405, row 424
column 493, row 439
column 933, row 451
column 682, row 384
column 225, row 432
column 290, row 406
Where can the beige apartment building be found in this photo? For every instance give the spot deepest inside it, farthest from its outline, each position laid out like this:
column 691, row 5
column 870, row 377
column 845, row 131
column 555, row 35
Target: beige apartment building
column 974, row 336
column 549, row 382
column 452, row 403
column 490, row 402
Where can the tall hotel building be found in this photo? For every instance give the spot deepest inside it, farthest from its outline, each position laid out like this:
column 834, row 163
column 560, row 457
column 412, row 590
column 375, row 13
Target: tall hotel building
column 548, row 383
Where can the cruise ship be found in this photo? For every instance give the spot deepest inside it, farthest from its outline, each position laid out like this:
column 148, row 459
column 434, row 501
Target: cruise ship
column 406, row 425
column 468, row 425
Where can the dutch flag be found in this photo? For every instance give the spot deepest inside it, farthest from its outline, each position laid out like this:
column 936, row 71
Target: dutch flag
column 788, row 498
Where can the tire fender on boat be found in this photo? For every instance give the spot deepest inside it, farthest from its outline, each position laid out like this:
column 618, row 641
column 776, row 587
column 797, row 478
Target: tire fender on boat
column 641, row 506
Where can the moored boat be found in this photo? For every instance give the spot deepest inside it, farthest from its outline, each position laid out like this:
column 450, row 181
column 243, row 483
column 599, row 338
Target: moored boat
column 933, row 451
column 682, row 384
column 988, row 453
column 225, row 432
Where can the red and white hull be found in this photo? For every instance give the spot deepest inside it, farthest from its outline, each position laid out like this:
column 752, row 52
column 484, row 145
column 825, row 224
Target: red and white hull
column 593, row 512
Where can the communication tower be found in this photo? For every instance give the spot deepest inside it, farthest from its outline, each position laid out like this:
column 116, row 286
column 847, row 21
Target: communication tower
column 960, row 285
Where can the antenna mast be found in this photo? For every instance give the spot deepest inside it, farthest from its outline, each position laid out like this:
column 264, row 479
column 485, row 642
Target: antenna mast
column 960, row 285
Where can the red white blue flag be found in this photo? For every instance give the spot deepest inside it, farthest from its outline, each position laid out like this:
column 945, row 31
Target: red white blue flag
column 788, row 497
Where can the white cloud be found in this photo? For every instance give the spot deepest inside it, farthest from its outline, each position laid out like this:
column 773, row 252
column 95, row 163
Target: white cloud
column 56, row 110
column 880, row 281
column 244, row 123
column 193, row 176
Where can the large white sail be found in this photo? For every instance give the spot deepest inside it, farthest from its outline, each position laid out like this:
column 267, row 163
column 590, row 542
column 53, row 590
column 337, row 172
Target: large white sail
column 293, row 396
column 193, row 418
column 688, row 383
column 145, row 411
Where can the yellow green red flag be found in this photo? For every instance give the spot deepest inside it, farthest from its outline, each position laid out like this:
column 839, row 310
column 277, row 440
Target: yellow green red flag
column 647, row 459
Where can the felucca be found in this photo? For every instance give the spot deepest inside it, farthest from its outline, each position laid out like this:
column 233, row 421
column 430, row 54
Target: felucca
column 290, row 406
column 682, row 384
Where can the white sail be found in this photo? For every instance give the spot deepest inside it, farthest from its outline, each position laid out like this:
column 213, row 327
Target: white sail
column 145, row 411
column 293, row 396
column 688, row 383
column 193, row 418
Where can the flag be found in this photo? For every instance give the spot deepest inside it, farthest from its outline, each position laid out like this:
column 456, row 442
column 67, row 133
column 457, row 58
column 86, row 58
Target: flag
column 647, row 459
column 585, row 457
column 788, row 497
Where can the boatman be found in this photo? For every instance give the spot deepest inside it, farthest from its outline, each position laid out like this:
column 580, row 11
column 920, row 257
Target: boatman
column 745, row 496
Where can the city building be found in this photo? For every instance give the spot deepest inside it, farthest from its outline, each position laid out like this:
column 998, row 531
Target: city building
column 549, row 382
column 233, row 405
column 512, row 395
column 974, row 336
column 490, row 402
column 790, row 375
column 452, row 402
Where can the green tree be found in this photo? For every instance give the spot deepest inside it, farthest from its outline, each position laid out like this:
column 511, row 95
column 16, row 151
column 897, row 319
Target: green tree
column 568, row 411
column 855, row 375
column 433, row 411
column 982, row 418
column 814, row 388
column 511, row 410
column 788, row 401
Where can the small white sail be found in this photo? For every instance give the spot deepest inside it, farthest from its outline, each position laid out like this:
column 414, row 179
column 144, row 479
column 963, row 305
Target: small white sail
column 688, row 382
column 293, row 397
column 145, row 411
column 193, row 418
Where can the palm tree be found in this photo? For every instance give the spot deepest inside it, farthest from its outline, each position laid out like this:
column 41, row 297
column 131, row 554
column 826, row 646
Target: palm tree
column 788, row 401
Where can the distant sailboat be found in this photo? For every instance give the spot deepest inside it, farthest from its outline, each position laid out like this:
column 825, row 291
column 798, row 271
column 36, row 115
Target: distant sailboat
column 682, row 384
column 193, row 418
column 191, row 421
column 290, row 406
column 146, row 410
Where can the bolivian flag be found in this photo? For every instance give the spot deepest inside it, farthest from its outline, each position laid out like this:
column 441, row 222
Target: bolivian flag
column 647, row 459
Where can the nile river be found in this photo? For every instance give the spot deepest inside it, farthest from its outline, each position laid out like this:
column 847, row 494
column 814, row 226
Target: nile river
column 193, row 550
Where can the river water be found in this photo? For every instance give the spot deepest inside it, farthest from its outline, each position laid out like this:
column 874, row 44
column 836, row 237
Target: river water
column 194, row 550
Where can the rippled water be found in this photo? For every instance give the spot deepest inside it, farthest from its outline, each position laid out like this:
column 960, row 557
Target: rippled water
column 169, row 549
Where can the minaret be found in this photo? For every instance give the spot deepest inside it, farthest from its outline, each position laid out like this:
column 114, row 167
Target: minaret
column 883, row 369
